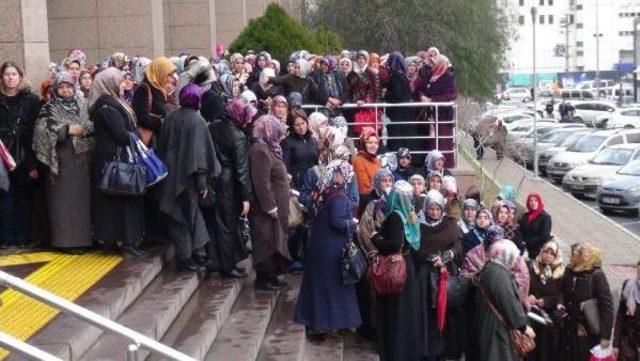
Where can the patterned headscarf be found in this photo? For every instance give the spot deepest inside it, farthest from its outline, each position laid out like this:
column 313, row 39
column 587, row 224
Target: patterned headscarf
column 336, row 166
column 348, row 61
column 431, row 159
column 191, row 96
column 239, row 112
column 157, row 71
column 341, row 124
column 494, row 233
column 470, row 203
column 65, row 77
column 278, row 99
column 268, row 130
column 139, row 65
column 316, row 122
column 504, row 253
column 432, row 197
column 553, row 271
column 400, row 201
column 377, row 182
column 365, row 134
column 330, row 61
column 249, row 96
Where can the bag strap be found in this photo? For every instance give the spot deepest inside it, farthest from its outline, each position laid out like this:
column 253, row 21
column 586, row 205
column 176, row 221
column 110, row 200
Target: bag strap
column 491, row 305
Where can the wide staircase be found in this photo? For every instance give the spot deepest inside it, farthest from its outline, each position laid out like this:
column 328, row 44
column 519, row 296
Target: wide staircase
column 203, row 316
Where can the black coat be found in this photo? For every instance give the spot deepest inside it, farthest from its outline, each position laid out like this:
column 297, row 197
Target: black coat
column 299, row 154
column 17, row 119
column 212, row 105
column 578, row 287
column 547, row 337
column 307, row 88
column 149, row 115
column 232, row 148
column 114, row 218
column 536, row 233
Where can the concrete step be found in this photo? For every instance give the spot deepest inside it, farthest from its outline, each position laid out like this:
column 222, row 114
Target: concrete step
column 240, row 337
column 284, row 339
column 151, row 314
column 68, row 337
column 195, row 329
column 356, row 348
column 331, row 348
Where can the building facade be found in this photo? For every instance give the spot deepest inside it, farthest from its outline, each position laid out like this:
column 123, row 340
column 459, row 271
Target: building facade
column 572, row 35
column 37, row 32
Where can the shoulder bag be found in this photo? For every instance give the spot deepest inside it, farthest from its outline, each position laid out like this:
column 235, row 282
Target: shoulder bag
column 521, row 343
column 123, row 177
column 354, row 262
column 589, row 309
column 156, row 170
column 388, row 274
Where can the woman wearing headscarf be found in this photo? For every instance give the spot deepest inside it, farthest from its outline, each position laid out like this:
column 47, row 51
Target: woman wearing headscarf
column 467, row 223
column 399, row 91
column 266, row 91
column 63, row 141
column 271, row 202
column 230, row 86
column 238, row 69
column 496, row 282
column 483, row 219
column 364, row 87
column 86, row 78
column 585, row 281
column 439, row 256
column 342, row 126
column 413, row 65
column 279, row 108
column 317, row 121
column 626, row 336
column 325, row 303
column 128, row 88
column 187, row 149
column 331, row 82
column 18, row 111
column 419, row 185
column 546, row 273
column 261, row 62
column 501, row 213
column 441, row 88
column 346, row 66
column 233, row 189
column 435, row 161
column 535, row 225
column 300, row 82
column 366, row 164
column 115, row 219
column 299, row 149
column 398, row 327
column 434, row 181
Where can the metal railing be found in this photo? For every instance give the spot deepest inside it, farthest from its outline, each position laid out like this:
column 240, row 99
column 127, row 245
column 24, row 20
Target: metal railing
column 136, row 339
column 382, row 122
column 13, row 344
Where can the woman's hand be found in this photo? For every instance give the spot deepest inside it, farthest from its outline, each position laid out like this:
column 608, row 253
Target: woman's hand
column 245, row 209
column 203, row 193
column 529, row 332
column 360, row 103
column 76, row 129
column 533, row 300
column 604, row 343
column 33, row 174
column 274, row 213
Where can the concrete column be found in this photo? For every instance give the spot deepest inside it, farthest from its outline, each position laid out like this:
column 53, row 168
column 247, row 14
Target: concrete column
column 157, row 28
column 25, row 38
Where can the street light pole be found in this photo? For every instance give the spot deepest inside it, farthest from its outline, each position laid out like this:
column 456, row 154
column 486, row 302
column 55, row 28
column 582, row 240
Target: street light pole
column 636, row 21
column 534, row 14
column 597, row 50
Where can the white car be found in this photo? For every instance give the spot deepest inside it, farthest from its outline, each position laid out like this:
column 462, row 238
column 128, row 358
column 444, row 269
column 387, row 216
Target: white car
column 557, row 145
column 522, row 94
column 584, row 149
column 584, row 179
column 523, row 128
column 587, row 112
column 621, row 118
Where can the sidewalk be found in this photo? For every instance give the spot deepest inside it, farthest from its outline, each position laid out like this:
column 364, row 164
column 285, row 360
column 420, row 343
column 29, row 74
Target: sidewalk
column 572, row 220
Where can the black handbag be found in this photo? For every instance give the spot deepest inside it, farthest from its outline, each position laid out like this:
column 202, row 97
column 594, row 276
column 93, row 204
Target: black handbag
column 354, row 262
column 123, row 177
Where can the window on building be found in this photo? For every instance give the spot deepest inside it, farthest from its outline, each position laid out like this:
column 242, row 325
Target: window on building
column 579, row 7
column 541, row 2
column 579, row 53
column 521, row 2
column 541, row 19
column 579, row 44
column 550, row 2
column 550, row 19
column 579, row 26
column 521, row 20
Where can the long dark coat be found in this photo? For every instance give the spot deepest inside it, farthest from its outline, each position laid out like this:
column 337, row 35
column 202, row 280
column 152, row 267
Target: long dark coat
column 434, row 241
column 626, row 332
column 270, row 190
column 443, row 90
column 548, row 337
column 300, row 153
column 398, row 326
column 114, row 218
column 399, row 91
column 535, row 234
column 233, row 186
column 578, row 287
column 325, row 303
column 493, row 338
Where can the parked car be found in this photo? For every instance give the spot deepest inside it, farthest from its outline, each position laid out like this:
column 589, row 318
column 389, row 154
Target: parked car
column 621, row 191
column 522, row 94
column 582, row 150
column 524, row 128
column 621, row 118
column 548, row 135
column 587, row 112
column 558, row 144
column 574, row 94
column 584, row 179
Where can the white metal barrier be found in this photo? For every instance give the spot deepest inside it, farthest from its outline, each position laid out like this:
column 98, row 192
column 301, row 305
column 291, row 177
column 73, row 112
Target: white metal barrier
column 137, row 339
column 13, row 344
column 381, row 108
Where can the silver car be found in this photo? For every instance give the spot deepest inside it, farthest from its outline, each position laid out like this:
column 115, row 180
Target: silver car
column 548, row 136
column 621, row 192
column 558, row 145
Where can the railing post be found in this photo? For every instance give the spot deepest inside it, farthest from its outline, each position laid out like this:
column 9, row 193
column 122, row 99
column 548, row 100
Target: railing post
column 133, row 351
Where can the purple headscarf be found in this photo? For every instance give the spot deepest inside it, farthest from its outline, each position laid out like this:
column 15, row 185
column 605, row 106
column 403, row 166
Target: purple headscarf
column 191, row 96
column 239, row 112
column 268, row 130
column 396, row 62
column 330, row 61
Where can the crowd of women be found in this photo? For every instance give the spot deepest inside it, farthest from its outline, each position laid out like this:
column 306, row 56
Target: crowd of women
column 237, row 143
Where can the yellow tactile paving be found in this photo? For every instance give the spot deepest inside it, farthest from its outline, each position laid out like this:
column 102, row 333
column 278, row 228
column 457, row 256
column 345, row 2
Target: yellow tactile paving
column 65, row 275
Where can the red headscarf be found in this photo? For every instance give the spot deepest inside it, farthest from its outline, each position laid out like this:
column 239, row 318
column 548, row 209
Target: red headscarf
column 365, row 134
column 533, row 214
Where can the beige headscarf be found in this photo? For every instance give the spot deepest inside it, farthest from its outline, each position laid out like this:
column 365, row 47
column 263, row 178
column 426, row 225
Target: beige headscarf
column 107, row 82
column 553, row 271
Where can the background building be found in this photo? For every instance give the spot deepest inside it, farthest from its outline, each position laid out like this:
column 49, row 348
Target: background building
column 37, row 32
column 567, row 36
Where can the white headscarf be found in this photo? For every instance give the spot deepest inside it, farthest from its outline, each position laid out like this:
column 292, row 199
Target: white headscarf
column 504, row 252
column 304, row 66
